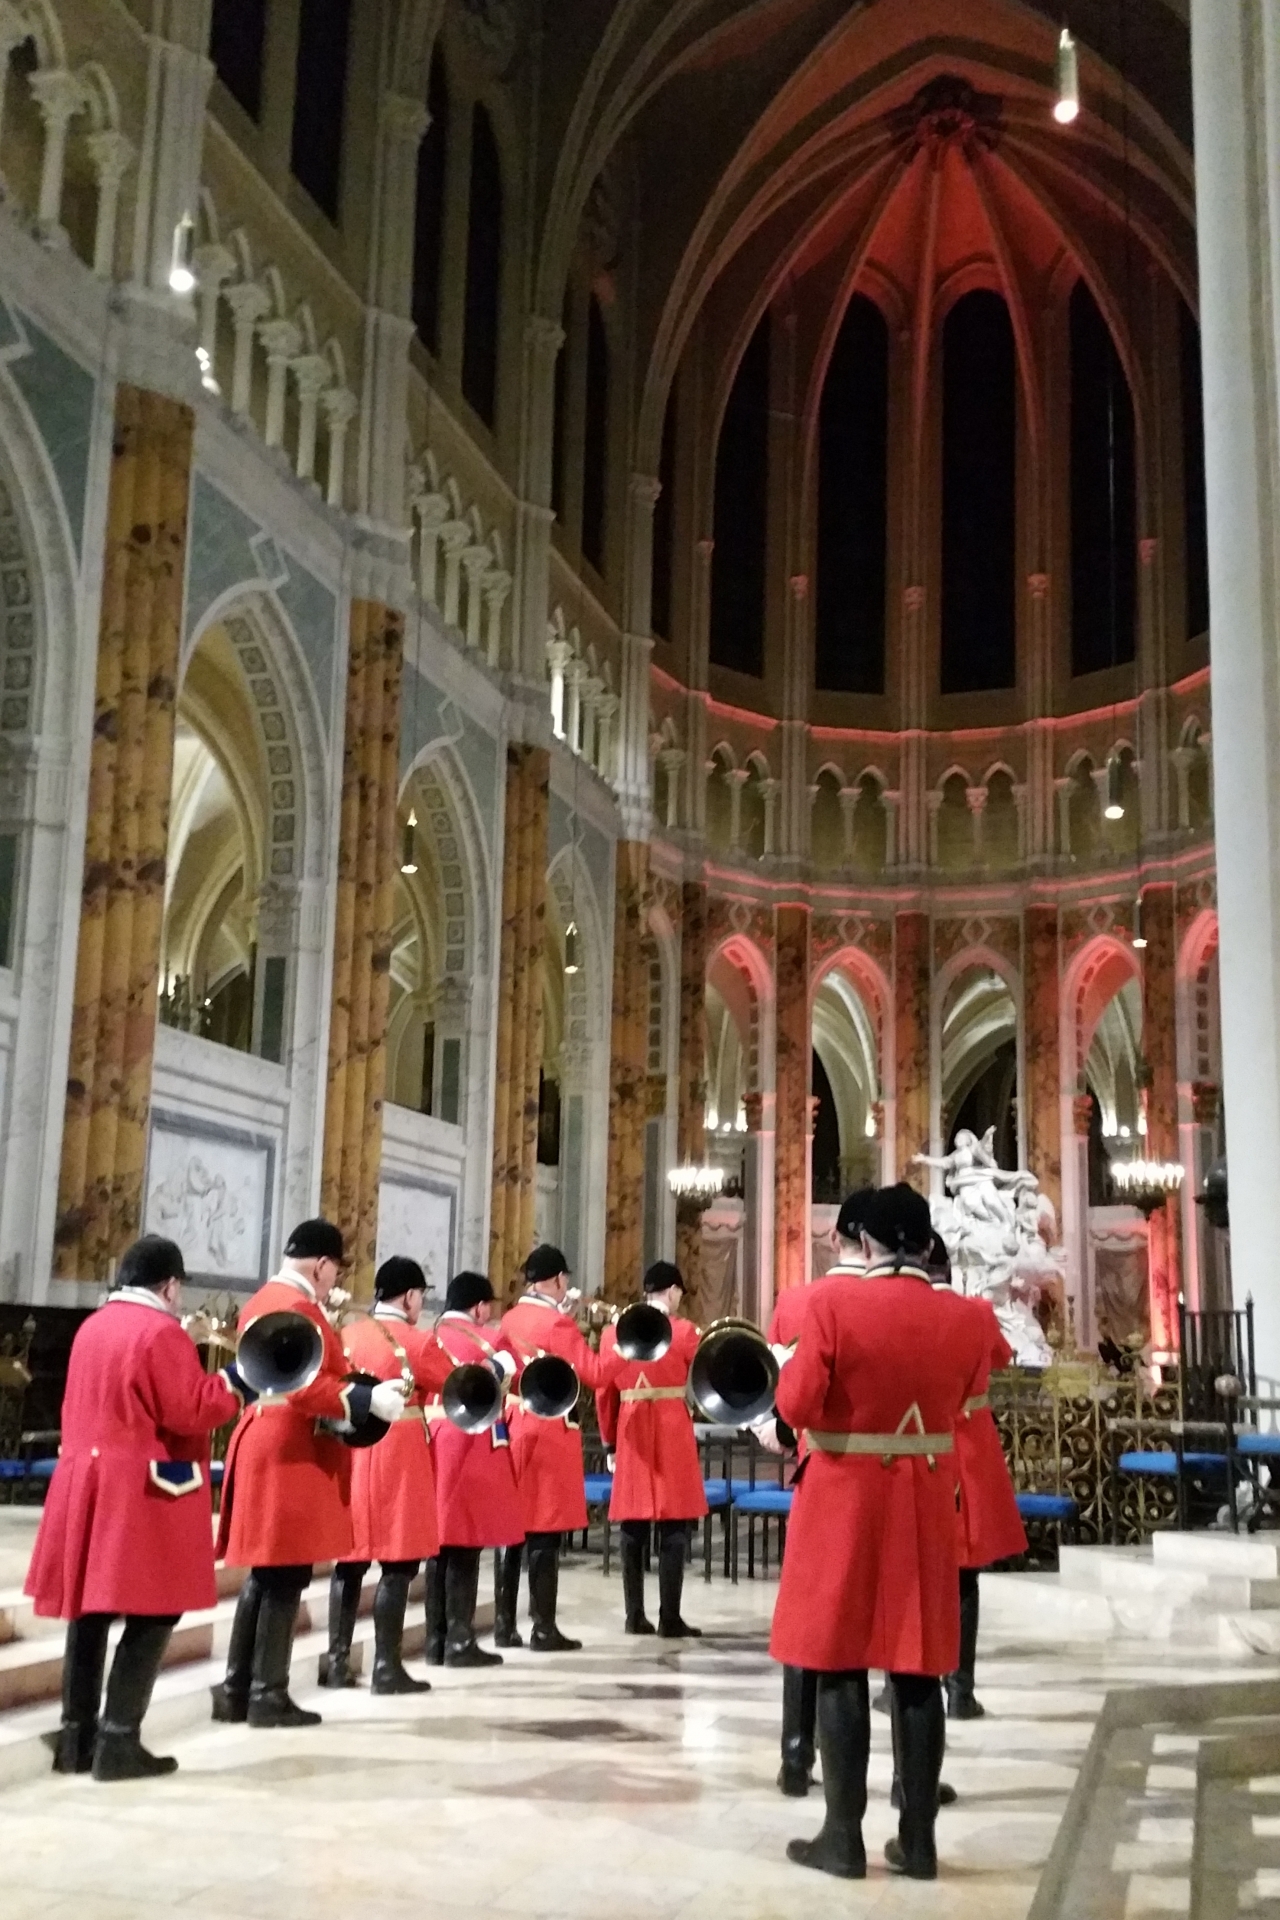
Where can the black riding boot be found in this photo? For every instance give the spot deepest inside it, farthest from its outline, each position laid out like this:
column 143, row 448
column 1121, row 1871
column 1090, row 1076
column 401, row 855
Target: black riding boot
column 269, row 1702
column 506, row 1595
column 433, row 1652
column 461, row 1585
column 119, row 1753
column 344, row 1605
column 231, row 1696
column 946, row 1794
column 389, row 1604
column 844, row 1741
column 544, row 1589
column 922, row 1736
column 961, row 1704
column 635, row 1540
column 673, row 1541
column 799, row 1710
column 83, row 1664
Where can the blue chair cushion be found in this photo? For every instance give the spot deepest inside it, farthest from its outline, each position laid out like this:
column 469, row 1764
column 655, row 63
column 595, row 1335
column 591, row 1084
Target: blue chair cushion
column 599, row 1486
column 1046, row 1506
column 765, row 1500
column 27, row 1469
column 1167, row 1463
column 1266, row 1445
column 717, row 1492
column 739, row 1487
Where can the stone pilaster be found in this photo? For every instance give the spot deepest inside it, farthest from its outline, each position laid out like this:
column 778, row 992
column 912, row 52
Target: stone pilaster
column 691, row 1128
column 794, row 1050
column 911, row 974
column 628, row 1071
column 1042, row 1061
column 1159, row 1045
column 113, row 1021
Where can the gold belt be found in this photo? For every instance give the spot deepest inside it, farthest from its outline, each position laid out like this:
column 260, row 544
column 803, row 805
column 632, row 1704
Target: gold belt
column 977, row 1403
column 885, row 1444
column 652, row 1393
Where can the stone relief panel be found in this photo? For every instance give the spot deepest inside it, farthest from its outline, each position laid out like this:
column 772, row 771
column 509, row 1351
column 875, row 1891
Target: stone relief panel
column 418, row 1218
column 210, row 1189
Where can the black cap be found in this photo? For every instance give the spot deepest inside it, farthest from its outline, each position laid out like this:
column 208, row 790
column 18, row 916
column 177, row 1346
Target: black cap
column 898, row 1218
column 544, row 1263
column 851, row 1217
column 467, row 1290
column 315, row 1240
column 150, row 1262
column 397, row 1276
column 661, row 1275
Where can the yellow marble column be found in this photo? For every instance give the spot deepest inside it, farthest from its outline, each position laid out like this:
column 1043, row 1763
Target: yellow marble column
column 520, row 1021
column 628, row 1074
column 113, row 1021
column 911, row 1043
column 352, row 1164
column 691, row 1117
column 793, row 1133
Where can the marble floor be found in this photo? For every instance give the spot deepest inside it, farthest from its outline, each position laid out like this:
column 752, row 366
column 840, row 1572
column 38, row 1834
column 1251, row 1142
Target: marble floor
column 633, row 1779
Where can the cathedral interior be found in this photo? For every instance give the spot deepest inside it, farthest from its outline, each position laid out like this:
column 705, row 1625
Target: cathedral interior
column 524, row 671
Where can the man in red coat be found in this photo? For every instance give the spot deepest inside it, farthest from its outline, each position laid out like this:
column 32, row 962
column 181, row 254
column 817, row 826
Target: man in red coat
column 127, row 1527
column 477, row 1500
column 393, row 1493
column 286, row 1497
column 547, row 1455
column 871, row 1574
column 645, row 1419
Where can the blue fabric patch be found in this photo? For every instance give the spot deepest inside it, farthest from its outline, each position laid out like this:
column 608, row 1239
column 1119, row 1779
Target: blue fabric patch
column 176, row 1477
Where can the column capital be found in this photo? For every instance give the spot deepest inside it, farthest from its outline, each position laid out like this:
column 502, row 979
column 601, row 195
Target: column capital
column 112, row 154
column 312, row 373
column 496, row 585
column 340, row 406
column 1038, row 585
column 281, row 340
column 644, row 489
column 404, row 118
column 248, row 302
column 543, row 337
column 57, row 93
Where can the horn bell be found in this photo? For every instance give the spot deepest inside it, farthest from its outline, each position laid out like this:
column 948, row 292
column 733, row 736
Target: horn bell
column 734, row 1376
column 280, row 1353
column 549, row 1386
column 643, row 1332
column 472, row 1397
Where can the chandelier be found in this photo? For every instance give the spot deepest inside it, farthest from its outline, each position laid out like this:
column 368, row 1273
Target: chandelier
column 695, row 1187
column 1147, row 1184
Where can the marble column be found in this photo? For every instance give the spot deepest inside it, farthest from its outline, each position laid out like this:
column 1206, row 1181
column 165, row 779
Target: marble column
column 628, row 1073
column 519, row 1041
column 113, row 1022
column 352, row 1163
column 794, row 1053
column 1042, row 1066
column 1235, row 72
column 1159, row 1045
column 911, row 980
column 691, row 1125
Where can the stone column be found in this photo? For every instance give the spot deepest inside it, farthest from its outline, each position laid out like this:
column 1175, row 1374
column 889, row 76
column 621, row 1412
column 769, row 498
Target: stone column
column 519, row 1048
column 1159, row 1044
column 111, row 155
column 339, row 405
column 113, row 1019
column 281, row 339
column 691, row 1127
column 249, row 303
column 312, row 374
column 1235, row 72
column 352, row 1163
column 794, row 1051
column 628, row 1070
column 911, row 982
column 59, row 96
column 1042, row 1064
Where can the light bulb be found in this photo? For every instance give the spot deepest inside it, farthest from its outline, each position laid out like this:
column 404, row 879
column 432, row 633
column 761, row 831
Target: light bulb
column 1067, row 105
column 408, row 845
column 182, row 277
column 869, row 1126
column 1139, row 937
column 1114, row 809
column 571, row 947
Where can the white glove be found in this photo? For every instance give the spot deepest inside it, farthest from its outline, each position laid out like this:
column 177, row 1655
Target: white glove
column 611, row 1462
column 505, row 1364
column 782, row 1354
column 386, row 1402
column 765, row 1430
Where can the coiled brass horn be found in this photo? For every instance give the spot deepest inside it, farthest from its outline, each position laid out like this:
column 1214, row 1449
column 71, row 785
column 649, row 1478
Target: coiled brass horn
column 549, row 1386
column 643, row 1332
column 472, row 1397
column 280, row 1353
column 734, row 1375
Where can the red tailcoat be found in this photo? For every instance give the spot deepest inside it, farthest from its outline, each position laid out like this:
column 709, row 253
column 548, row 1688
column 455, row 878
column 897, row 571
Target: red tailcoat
column 990, row 1525
column 548, row 1453
column 658, row 1474
column 393, row 1488
column 477, row 1500
column 871, row 1572
column 111, row 1539
column 792, row 1305
column 286, row 1498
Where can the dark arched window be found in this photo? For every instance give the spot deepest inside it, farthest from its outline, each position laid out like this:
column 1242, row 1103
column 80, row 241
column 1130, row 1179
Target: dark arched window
column 664, row 525
column 1195, row 521
column 319, row 99
column 237, row 33
column 741, row 519
column 595, row 439
column 428, row 220
column 484, row 270
column 853, row 444
column 1103, row 495
column 979, row 496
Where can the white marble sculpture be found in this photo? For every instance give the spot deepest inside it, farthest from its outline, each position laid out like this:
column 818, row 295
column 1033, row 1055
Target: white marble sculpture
column 999, row 1230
